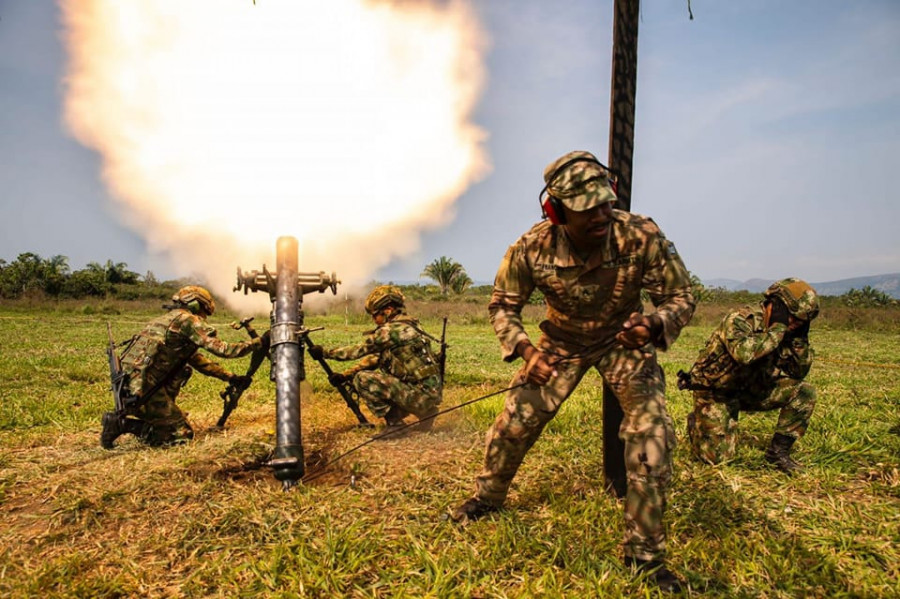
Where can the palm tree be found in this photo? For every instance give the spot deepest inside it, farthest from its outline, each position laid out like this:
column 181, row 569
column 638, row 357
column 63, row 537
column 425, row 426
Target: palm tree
column 460, row 283
column 868, row 296
column 55, row 270
column 118, row 273
column 701, row 294
column 444, row 270
column 57, row 265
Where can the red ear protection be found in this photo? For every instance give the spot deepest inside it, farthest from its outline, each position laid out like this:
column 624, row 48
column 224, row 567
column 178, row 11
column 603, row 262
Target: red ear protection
column 553, row 210
column 552, row 207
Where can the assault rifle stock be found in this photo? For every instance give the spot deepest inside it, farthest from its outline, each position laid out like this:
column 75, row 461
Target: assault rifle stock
column 121, row 398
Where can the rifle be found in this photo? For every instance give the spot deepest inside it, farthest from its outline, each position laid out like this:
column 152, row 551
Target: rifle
column 122, row 399
column 233, row 391
column 442, row 360
column 117, row 422
column 346, row 389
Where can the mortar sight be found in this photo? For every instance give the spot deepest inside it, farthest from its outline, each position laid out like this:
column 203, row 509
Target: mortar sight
column 307, row 282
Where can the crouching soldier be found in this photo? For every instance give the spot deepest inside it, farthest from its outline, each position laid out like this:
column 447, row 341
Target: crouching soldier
column 397, row 373
column 157, row 363
column 755, row 361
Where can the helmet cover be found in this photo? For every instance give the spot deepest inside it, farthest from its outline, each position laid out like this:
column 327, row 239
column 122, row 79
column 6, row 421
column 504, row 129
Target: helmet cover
column 800, row 298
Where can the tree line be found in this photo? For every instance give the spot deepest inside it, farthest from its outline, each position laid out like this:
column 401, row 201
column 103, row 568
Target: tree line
column 29, row 273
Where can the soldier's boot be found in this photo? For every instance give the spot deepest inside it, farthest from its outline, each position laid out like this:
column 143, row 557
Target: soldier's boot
column 393, row 424
column 779, row 454
column 656, row 572
column 426, row 421
column 473, row 509
column 114, row 427
column 395, row 416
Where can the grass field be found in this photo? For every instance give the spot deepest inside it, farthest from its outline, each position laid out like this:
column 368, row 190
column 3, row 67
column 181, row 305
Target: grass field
column 209, row 519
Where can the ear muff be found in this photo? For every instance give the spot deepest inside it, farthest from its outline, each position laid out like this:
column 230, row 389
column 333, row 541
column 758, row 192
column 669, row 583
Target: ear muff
column 552, row 207
column 194, row 307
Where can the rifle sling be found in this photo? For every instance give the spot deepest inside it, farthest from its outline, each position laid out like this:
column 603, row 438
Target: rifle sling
column 145, row 397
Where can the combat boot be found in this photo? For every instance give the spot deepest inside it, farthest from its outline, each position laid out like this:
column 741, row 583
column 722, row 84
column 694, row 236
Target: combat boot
column 112, row 430
column 473, row 509
column 426, row 422
column 779, row 454
column 656, row 572
column 115, row 426
column 395, row 416
column 393, row 424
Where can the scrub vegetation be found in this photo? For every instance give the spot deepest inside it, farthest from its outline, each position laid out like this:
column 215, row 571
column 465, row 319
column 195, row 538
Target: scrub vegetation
column 209, row 519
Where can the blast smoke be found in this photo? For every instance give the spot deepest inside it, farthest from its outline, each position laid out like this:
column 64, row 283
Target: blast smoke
column 223, row 125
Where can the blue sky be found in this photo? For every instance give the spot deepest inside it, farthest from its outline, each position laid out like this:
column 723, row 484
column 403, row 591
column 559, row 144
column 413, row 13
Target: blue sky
column 767, row 137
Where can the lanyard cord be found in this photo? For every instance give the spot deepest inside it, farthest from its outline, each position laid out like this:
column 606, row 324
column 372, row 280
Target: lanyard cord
column 560, row 358
column 394, row 431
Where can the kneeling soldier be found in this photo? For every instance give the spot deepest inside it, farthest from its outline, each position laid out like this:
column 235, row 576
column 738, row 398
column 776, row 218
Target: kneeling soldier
column 755, row 361
column 398, row 373
column 157, row 364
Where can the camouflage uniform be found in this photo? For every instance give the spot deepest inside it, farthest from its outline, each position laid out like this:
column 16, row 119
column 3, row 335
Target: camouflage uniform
column 588, row 299
column 397, row 368
column 168, row 347
column 748, row 365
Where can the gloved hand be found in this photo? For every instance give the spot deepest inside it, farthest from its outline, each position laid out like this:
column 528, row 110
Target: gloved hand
column 798, row 330
column 240, row 381
column 780, row 313
column 338, row 378
column 316, row 352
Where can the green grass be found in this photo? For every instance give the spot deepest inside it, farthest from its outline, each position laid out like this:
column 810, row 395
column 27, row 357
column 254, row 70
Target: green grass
column 209, row 519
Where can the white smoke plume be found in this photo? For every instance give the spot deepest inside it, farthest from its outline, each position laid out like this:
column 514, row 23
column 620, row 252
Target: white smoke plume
column 223, row 125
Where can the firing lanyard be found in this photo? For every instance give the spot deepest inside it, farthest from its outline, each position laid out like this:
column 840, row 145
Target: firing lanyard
column 321, row 471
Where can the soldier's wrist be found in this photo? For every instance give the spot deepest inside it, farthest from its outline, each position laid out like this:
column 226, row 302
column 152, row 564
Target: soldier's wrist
column 525, row 349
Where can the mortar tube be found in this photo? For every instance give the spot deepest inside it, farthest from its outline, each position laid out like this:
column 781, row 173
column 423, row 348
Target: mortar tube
column 288, row 458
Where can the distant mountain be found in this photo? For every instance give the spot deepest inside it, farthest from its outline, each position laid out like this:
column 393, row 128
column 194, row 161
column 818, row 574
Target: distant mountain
column 889, row 284
column 422, row 282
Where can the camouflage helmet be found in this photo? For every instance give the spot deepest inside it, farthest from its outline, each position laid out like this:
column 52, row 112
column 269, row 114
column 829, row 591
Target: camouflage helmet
column 800, row 298
column 579, row 181
column 194, row 298
column 384, row 296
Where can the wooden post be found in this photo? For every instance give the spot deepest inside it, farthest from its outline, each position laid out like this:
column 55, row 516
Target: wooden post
column 621, row 153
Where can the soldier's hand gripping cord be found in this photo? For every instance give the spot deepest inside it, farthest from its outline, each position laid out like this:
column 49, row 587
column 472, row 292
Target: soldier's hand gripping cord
column 638, row 330
column 316, row 352
column 337, row 378
column 538, row 369
column 684, row 380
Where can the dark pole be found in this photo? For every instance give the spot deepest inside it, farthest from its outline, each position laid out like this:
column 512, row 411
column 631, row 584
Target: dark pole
column 288, row 458
column 621, row 153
